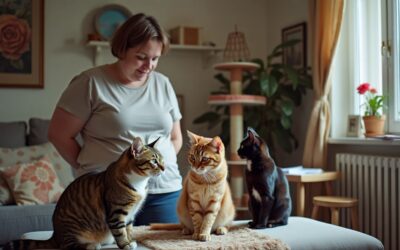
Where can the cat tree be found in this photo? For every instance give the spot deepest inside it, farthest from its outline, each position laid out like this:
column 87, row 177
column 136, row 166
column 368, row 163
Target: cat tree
column 236, row 100
column 236, row 54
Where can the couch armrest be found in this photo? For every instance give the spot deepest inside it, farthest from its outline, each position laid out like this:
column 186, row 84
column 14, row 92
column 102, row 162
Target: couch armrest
column 17, row 220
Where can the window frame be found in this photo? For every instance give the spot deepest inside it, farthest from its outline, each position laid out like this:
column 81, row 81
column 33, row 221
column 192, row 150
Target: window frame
column 355, row 63
column 391, row 62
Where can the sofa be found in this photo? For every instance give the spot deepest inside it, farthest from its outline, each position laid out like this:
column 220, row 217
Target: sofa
column 32, row 177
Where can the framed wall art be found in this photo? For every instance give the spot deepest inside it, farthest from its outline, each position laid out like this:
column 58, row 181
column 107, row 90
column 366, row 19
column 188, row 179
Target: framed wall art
column 295, row 55
column 21, row 46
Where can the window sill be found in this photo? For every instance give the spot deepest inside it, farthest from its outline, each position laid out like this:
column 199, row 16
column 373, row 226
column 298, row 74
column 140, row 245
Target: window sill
column 363, row 141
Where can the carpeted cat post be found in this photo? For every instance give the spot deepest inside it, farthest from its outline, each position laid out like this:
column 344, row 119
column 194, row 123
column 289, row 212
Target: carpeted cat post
column 236, row 57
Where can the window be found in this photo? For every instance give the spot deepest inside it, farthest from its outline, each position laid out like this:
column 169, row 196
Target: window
column 391, row 61
column 367, row 51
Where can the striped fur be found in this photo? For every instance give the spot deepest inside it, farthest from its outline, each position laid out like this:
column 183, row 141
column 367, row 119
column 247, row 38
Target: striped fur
column 98, row 208
column 205, row 205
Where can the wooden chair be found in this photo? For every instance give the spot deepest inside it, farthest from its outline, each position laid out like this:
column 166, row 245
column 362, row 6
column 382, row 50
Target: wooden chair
column 334, row 203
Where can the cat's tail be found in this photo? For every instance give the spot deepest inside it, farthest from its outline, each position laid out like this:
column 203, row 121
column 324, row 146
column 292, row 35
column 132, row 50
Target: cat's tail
column 30, row 244
column 165, row 226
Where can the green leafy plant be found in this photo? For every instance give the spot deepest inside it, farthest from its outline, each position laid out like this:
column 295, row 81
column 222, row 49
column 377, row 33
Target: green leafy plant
column 282, row 85
column 373, row 102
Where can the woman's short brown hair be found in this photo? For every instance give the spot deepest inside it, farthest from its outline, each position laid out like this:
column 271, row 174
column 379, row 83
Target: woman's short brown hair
column 137, row 30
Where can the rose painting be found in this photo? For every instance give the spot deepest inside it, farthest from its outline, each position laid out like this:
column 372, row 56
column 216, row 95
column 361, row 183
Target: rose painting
column 21, row 39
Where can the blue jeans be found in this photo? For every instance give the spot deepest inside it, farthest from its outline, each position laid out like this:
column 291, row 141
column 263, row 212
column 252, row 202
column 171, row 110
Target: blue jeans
column 158, row 208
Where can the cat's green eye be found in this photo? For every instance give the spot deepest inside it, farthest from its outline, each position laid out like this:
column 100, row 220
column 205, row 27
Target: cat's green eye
column 153, row 162
column 204, row 159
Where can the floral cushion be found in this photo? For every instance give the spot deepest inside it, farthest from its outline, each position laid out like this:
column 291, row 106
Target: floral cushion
column 13, row 156
column 33, row 183
column 5, row 194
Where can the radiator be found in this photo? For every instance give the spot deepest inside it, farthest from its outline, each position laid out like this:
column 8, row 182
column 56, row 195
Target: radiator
column 375, row 182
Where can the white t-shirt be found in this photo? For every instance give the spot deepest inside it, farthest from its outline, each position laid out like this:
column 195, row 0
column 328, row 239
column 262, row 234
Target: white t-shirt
column 114, row 114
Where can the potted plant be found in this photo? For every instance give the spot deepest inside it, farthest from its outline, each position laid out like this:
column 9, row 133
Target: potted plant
column 374, row 119
column 282, row 85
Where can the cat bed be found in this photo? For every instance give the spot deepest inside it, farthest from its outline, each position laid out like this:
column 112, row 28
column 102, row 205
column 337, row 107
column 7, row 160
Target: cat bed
column 300, row 233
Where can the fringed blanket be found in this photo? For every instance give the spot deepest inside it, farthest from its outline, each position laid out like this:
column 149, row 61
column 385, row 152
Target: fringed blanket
column 237, row 238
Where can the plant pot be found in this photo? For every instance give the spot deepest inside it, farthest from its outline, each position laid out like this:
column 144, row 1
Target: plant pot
column 374, row 125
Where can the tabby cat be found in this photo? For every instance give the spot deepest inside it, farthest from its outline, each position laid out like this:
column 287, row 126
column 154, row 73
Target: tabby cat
column 99, row 207
column 270, row 203
column 205, row 205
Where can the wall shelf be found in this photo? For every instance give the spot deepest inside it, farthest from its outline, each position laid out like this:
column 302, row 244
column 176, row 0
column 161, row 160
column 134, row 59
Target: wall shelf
column 99, row 46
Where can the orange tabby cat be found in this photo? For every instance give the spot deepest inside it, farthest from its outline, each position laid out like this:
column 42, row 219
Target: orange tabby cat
column 205, row 205
column 98, row 208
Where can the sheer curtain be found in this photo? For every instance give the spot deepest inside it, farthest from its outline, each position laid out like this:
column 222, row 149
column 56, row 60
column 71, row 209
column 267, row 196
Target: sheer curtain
column 357, row 60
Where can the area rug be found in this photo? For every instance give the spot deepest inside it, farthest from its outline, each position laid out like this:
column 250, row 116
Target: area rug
column 237, row 238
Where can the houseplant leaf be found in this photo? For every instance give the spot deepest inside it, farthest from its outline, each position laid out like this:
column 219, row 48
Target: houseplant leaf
column 282, row 85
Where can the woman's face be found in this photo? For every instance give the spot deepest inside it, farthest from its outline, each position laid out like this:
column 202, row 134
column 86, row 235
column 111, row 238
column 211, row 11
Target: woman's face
column 143, row 59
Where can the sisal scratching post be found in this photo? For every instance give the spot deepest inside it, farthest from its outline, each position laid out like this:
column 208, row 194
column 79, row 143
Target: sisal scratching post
column 236, row 100
column 236, row 57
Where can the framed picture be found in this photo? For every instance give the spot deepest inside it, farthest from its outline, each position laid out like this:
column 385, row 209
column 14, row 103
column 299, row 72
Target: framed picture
column 354, row 126
column 21, row 47
column 295, row 55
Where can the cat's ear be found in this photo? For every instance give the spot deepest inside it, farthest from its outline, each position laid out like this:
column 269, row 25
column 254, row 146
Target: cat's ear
column 193, row 138
column 154, row 142
column 216, row 143
column 251, row 135
column 266, row 150
column 137, row 146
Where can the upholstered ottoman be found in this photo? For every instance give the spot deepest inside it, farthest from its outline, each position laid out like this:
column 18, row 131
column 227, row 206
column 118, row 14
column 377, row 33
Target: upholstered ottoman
column 300, row 233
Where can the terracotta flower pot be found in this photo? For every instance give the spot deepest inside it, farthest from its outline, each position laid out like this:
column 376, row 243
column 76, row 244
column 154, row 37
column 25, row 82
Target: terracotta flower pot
column 374, row 125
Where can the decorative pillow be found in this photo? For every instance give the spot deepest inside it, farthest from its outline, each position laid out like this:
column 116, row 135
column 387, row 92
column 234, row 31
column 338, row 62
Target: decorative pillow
column 33, row 183
column 12, row 134
column 38, row 131
column 5, row 194
column 9, row 157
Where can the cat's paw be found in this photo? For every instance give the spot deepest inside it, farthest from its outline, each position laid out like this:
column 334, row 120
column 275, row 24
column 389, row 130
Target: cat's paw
column 204, row 237
column 94, row 247
column 186, row 231
column 195, row 236
column 130, row 246
column 258, row 226
column 221, row 231
column 251, row 224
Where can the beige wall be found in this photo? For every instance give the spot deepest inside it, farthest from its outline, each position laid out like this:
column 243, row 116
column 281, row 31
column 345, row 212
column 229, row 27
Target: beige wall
column 67, row 24
column 283, row 14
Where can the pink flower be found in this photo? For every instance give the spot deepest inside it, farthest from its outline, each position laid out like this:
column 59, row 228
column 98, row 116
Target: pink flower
column 364, row 87
column 373, row 102
column 15, row 36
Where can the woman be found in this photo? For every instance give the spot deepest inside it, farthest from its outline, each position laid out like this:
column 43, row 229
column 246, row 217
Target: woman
column 111, row 104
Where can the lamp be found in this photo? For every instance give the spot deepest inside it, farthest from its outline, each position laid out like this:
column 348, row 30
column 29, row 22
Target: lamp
column 236, row 49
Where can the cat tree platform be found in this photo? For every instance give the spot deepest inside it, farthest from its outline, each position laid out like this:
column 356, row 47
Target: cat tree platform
column 236, row 100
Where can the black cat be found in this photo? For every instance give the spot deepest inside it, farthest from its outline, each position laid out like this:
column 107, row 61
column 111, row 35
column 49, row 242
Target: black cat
column 270, row 203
